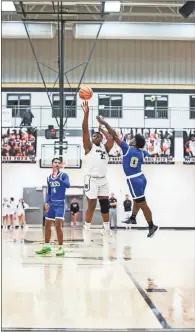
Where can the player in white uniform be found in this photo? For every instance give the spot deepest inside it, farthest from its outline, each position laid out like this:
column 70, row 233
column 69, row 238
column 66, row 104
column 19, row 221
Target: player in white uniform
column 95, row 182
column 192, row 146
column 157, row 145
column 167, row 146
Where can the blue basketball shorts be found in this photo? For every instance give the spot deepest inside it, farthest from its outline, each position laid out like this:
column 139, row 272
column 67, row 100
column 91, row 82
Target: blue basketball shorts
column 137, row 185
column 55, row 212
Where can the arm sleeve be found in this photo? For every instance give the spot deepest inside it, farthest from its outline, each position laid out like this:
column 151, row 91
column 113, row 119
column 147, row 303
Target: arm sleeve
column 65, row 179
column 124, row 147
column 48, row 196
column 145, row 153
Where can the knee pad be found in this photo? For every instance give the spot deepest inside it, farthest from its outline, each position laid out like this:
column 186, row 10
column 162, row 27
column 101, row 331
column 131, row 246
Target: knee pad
column 104, row 205
column 140, row 200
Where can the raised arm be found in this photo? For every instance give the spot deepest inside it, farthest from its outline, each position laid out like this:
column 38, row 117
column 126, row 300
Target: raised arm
column 123, row 145
column 110, row 140
column 111, row 131
column 86, row 137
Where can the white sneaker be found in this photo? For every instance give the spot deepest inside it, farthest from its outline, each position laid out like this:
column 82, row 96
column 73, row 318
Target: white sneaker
column 106, row 233
column 86, row 228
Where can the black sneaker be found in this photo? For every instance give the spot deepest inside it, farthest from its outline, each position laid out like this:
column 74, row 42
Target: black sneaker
column 130, row 221
column 152, row 231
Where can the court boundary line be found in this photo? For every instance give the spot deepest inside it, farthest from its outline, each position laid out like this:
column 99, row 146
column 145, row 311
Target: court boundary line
column 146, row 298
column 93, row 330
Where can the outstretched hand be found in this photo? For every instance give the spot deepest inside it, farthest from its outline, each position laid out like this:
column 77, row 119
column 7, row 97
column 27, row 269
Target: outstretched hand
column 85, row 107
column 100, row 120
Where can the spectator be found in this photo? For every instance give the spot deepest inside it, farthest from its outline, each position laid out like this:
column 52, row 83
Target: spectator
column 5, row 212
column 127, row 206
column 19, row 142
column 27, row 118
column 21, row 207
column 74, row 209
column 12, row 212
column 113, row 210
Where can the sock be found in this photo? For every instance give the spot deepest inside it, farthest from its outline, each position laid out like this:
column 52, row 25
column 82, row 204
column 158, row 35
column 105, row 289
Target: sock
column 47, row 245
column 133, row 216
column 150, row 224
column 87, row 225
column 106, row 226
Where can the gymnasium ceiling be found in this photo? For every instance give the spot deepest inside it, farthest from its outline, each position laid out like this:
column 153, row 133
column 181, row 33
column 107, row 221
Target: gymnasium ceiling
column 131, row 11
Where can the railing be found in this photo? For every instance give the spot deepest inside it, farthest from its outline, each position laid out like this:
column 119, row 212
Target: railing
column 116, row 116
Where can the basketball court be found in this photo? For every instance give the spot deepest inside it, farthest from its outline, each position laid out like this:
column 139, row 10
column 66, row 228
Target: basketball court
column 132, row 282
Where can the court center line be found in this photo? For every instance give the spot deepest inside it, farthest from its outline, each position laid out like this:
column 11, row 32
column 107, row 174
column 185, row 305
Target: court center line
column 149, row 302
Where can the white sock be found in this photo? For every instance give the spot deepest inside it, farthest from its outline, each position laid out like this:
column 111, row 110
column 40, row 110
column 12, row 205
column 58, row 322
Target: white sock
column 87, row 225
column 47, row 245
column 106, row 226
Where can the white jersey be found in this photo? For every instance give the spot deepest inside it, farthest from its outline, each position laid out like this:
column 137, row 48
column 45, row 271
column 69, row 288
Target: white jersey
column 21, row 208
column 96, row 161
column 12, row 208
column 192, row 147
column 4, row 209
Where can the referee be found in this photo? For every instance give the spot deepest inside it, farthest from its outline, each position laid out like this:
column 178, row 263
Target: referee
column 113, row 210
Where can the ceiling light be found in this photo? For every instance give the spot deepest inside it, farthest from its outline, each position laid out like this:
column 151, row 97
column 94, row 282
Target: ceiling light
column 112, row 6
column 187, row 9
column 7, row 6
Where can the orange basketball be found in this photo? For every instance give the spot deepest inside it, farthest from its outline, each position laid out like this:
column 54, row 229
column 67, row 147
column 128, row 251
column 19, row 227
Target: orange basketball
column 188, row 150
column 164, row 148
column 85, row 93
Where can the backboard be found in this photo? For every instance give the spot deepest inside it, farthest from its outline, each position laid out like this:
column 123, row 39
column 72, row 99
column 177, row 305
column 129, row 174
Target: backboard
column 71, row 155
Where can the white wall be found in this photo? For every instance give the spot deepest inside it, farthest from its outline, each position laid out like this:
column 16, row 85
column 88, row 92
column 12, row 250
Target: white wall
column 133, row 112
column 170, row 190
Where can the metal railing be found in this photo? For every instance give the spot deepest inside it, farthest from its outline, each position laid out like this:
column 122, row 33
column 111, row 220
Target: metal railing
column 116, row 116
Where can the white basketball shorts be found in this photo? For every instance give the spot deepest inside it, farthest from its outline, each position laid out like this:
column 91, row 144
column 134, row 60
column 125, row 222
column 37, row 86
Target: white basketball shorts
column 95, row 187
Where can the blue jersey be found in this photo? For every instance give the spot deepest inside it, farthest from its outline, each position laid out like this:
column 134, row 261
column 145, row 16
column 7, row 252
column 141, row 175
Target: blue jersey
column 133, row 159
column 57, row 188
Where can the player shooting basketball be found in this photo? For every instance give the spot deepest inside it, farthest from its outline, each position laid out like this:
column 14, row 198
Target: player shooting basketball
column 95, row 183
column 133, row 158
column 57, row 184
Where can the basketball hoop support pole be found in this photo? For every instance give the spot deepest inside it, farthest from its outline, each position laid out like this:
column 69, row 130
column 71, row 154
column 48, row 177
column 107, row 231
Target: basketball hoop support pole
column 61, row 86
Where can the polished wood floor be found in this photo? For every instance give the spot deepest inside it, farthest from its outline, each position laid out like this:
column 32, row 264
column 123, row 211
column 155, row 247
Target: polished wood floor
column 132, row 282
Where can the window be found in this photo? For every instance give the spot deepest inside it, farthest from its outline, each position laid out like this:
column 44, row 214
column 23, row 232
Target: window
column 18, row 103
column 110, row 106
column 156, row 106
column 192, row 107
column 69, row 111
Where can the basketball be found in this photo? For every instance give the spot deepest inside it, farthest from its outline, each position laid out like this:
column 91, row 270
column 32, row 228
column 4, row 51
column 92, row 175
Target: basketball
column 85, row 93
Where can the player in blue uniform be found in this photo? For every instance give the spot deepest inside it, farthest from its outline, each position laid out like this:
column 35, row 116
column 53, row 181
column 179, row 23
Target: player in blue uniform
column 133, row 158
column 57, row 184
